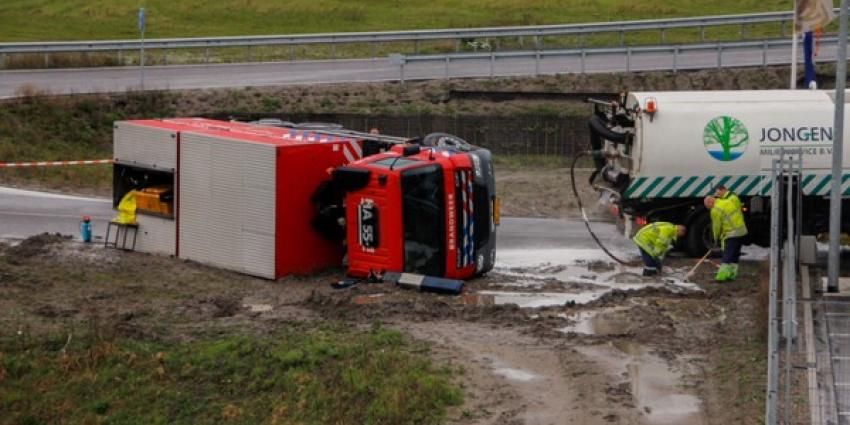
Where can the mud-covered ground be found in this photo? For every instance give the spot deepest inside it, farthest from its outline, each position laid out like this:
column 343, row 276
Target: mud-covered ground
column 552, row 337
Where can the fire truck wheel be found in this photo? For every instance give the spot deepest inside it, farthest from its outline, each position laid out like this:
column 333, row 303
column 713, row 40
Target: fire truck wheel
column 445, row 140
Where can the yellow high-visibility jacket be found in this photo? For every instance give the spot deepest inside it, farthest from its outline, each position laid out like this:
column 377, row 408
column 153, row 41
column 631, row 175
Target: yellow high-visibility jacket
column 727, row 220
column 731, row 196
column 656, row 238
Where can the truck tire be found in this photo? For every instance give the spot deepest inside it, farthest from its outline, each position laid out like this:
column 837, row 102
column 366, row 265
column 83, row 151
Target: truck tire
column 438, row 140
column 699, row 238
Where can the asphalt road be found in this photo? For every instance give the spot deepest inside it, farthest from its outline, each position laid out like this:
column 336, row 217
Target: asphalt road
column 95, row 80
column 25, row 213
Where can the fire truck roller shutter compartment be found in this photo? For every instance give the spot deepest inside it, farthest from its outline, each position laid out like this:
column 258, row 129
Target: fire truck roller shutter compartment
column 227, row 203
column 145, row 154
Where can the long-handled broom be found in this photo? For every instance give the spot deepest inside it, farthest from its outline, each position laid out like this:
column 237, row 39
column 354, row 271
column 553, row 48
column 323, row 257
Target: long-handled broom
column 696, row 266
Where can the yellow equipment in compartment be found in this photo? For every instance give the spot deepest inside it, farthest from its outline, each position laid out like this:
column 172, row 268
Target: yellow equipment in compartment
column 148, row 200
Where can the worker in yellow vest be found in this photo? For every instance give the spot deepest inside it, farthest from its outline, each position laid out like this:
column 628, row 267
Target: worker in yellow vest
column 728, row 227
column 722, row 192
column 654, row 241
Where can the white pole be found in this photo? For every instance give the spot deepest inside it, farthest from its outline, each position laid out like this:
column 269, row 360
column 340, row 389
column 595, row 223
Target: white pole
column 142, row 26
column 794, row 49
column 837, row 153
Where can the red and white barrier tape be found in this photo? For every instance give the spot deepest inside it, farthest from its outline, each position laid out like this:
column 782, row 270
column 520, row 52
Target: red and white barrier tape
column 53, row 163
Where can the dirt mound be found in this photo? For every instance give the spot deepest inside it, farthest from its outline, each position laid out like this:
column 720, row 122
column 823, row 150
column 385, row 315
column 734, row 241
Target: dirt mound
column 388, row 301
column 33, row 246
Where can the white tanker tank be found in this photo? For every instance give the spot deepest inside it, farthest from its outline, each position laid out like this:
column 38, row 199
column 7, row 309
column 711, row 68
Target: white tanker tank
column 662, row 152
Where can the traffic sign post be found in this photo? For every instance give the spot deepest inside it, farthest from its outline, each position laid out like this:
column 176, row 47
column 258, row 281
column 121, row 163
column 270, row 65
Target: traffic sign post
column 142, row 52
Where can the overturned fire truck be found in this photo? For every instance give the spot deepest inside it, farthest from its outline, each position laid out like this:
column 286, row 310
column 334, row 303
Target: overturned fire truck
column 273, row 201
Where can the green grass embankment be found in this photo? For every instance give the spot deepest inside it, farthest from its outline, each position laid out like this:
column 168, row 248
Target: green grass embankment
column 304, row 375
column 116, row 19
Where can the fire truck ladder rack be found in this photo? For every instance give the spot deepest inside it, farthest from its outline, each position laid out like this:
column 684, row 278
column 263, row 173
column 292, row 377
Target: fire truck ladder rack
column 393, row 140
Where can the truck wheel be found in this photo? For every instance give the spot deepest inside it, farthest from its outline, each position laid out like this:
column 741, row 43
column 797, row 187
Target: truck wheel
column 699, row 238
column 438, row 140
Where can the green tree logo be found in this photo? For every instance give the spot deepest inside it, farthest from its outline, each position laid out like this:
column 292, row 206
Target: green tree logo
column 725, row 138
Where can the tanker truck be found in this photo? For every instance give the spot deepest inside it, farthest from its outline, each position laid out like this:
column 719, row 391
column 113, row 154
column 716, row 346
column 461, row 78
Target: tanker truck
column 657, row 154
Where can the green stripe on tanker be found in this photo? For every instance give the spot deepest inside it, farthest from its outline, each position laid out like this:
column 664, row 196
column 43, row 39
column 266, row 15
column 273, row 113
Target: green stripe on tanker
column 652, row 186
column 669, row 186
column 817, row 190
column 685, row 186
column 817, row 185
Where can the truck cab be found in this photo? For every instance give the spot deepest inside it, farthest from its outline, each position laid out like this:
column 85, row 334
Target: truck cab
column 430, row 210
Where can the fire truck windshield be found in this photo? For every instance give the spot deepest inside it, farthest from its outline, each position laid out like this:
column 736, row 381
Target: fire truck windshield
column 424, row 202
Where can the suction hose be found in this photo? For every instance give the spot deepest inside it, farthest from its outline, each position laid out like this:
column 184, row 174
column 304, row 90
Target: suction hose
column 584, row 215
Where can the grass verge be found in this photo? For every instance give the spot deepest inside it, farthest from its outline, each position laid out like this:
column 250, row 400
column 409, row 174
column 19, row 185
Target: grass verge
column 116, row 19
column 315, row 375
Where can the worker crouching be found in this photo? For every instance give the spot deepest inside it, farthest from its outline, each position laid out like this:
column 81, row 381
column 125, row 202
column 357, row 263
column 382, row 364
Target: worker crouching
column 654, row 241
column 728, row 227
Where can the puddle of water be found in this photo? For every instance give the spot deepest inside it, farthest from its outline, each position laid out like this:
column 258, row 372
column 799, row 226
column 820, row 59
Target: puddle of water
column 580, row 266
column 607, row 321
column 531, row 299
column 258, row 308
column 654, row 387
column 516, row 374
column 504, row 370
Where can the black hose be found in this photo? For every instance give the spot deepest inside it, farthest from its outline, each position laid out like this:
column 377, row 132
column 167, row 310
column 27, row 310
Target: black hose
column 584, row 215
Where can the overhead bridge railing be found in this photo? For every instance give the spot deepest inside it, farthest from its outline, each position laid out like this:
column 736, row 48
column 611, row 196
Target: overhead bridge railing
column 535, row 32
column 760, row 50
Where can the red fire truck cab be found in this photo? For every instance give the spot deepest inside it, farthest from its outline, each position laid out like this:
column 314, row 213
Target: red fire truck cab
column 427, row 208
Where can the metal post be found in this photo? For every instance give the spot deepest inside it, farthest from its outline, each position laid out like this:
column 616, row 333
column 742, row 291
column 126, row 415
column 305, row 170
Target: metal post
column 373, row 50
column 416, row 46
column 764, row 54
column 291, row 52
column 248, row 52
column 207, row 55
column 702, row 34
column 628, row 60
column 719, row 56
column 743, row 31
column 447, row 66
column 675, row 58
column 333, row 51
column 536, row 43
column 536, row 63
column 46, row 60
column 663, row 35
column 583, row 61
column 401, row 72
column 782, row 27
column 793, row 84
column 773, row 330
column 622, row 38
column 492, row 64
column 837, row 153
column 120, row 57
column 790, row 282
column 457, row 45
column 2, row 60
column 142, row 26
column 165, row 56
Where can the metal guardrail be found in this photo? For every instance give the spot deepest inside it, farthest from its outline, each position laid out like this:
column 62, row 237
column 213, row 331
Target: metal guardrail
column 401, row 36
column 585, row 53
